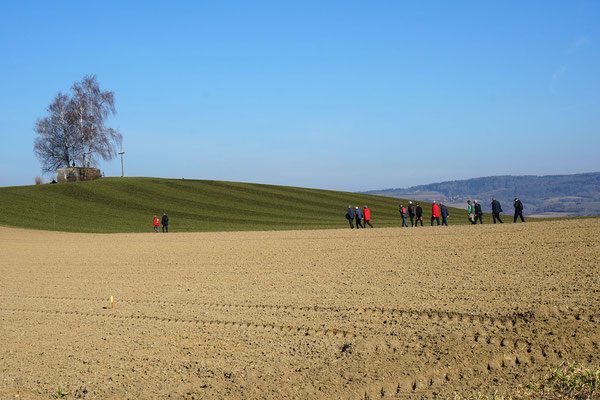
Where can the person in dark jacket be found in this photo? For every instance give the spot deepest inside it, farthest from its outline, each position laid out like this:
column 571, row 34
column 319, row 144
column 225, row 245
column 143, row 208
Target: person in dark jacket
column 412, row 211
column 496, row 210
column 350, row 216
column 419, row 215
column 402, row 211
column 445, row 213
column 478, row 212
column 518, row 210
column 165, row 223
column 359, row 217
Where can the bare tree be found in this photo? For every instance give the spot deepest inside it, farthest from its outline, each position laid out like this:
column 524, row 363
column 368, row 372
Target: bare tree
column 55, row 143
column 75, row 129
column 92, row 106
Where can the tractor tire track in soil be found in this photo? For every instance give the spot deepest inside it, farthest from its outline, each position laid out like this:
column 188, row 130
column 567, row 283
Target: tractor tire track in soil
column 203, row 322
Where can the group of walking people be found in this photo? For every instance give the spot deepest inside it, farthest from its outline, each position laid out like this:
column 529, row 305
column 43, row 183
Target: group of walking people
column 164, row 221
column 362, row 218
column 474, row 211
column 358, row 216
column 415, row 213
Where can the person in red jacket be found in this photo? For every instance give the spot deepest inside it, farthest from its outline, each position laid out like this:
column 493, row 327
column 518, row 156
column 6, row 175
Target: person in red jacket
column 156, row 223
column 367, row 216
column 435, row 213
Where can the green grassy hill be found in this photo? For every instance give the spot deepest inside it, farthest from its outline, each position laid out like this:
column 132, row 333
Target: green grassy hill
column 129, row 205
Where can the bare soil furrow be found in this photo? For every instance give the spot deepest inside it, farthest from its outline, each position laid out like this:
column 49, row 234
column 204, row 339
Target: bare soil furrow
column 432, row 315
column 203, row 322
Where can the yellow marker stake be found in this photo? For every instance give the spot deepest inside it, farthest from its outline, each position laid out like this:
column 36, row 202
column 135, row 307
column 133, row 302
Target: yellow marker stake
column 112, row 302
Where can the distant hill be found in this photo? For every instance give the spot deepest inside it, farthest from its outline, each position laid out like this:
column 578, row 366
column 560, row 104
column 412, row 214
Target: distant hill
column 550, row 195
column 129, row 204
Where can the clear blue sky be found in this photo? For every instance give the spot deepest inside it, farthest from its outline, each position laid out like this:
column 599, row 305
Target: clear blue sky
column 348, row 95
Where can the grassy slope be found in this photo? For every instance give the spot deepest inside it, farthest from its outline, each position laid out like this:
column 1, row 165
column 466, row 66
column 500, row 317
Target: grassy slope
column 129, row 204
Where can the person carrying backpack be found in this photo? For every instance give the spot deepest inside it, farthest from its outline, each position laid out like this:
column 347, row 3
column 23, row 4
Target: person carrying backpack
column 402, row 211
column 518, row 210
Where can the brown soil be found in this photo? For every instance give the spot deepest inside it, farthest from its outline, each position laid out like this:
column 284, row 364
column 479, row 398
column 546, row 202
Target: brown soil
column 417, row 313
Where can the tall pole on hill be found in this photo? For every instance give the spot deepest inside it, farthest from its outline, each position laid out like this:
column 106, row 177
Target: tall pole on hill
column 122, row 170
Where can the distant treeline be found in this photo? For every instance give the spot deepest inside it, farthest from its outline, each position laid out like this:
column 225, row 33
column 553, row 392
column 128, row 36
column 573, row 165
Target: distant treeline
column 577, row 194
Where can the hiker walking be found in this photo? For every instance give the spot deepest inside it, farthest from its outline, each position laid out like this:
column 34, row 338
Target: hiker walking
column 165, row 223
column 518, row 210
column 445, row 213
column 470, row 212
column 419, row 215
column 478, row 213
column 412, row 211
column 496, row 210
column 367, row 214
column 402, row 211
column 359, row 217
column 435, row 213
column 156, row 223
column 350, row 216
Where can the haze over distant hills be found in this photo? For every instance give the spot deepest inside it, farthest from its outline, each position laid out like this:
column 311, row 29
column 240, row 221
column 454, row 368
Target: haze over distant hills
column 550, row 195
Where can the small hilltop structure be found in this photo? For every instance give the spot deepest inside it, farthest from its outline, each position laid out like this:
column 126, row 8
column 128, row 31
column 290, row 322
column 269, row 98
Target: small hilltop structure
column 77, row 174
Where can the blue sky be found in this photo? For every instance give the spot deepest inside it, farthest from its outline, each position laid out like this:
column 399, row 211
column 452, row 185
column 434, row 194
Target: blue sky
column 348, row 95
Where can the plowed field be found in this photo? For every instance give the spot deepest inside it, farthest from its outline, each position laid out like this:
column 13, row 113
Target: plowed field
column 417, row 313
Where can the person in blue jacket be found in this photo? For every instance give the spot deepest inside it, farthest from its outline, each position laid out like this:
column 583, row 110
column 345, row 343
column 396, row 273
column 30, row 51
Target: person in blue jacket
column 359, row 217
column 402, row 211
column 350, row 216
column 445, row 214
